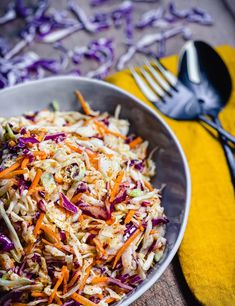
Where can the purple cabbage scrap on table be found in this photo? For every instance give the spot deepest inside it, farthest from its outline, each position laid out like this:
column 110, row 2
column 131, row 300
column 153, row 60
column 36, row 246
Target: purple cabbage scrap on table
column 42, row 23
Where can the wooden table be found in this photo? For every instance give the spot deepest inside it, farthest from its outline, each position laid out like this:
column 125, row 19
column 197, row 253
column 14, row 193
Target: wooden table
column 171, row 289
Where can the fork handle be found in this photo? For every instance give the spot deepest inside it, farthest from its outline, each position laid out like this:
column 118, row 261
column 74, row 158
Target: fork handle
column 218, row 128
column 228, row 153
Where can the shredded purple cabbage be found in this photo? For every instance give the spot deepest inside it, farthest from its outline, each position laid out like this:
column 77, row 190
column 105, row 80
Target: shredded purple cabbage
column 28, row 154
column 191, row 15
column 56, row 137
column 82, row 187
column 152, row 246
column 68, row 205
column 23, row 185
column 41, row 23
column 137, row 164
column 145, row 203
column 93, row 211
column 97, row 2
column 158, row 221
column 149, row 18
column 134, row 280
column 13, row 295
column 41, row 206
column 30, row 117
column 62, row 236
column 120, row 198
column 124, row 12
column 131, row 229
column 25, row 140
column 82, row 17
column 9, row 15
column 117, row 282
column 36, row 258
column 5, row 243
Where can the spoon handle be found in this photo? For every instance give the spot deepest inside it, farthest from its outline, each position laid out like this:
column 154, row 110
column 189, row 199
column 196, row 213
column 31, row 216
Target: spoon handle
column 228, row 153
column 218, row 128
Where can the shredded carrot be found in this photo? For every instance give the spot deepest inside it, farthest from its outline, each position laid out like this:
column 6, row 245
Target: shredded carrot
column 40, row 154
column 81, row 218
column 38, row 294
column 80, row 137
column 141, row 226
column 83, row 103
column 99, row 261
column 58, row 283
column 94, row 162
column 110, row 300
column 148, row 185
column 50, row 233
column 19, row 304
column 94, row 231
column 88, row 120
column 58, row 301
column 10, row 169
column 107, row 131
column 129, row 216
column 99, row 247
column 56, row 245
column 35, row 181
column 82, row 300
column 135, row 142
column 87, row 274
column 74, row 278
column 24, row 163
column 65, row 282
column 100, row 279
column 91, row 153
column 58, row 179
column 13, row 174
column 28, row 248
column 125, row 246
column 116, row 185
column 109, row 155
column 76, row 198
column 100, row 296
column 20, row 158
column 152, row 232
column 99, row 129
column 110, row 221
column 38, row 224
column 73, row 148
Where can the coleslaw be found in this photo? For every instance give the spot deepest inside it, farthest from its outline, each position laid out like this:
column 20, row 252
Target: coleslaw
column 81, row 223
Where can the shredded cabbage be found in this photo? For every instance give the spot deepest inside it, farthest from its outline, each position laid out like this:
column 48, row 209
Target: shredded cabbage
column 79, row 208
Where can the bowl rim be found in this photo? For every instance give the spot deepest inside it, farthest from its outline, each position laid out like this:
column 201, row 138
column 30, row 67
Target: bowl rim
column 142, row 289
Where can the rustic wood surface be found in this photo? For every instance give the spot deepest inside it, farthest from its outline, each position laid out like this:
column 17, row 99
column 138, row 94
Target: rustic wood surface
column 171, row 289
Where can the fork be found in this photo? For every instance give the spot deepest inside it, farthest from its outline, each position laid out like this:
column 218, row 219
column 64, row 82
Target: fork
column 170, row 96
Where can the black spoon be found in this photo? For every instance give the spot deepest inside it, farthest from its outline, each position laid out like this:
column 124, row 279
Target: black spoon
column 203, row 71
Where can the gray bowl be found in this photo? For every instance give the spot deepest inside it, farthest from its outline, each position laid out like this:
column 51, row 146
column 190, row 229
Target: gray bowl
column 172, row 167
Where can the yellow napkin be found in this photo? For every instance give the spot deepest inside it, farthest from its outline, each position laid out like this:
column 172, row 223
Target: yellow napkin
column 207, row 253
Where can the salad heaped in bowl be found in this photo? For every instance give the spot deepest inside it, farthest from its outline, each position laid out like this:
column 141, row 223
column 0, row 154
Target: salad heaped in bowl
column 81, row 222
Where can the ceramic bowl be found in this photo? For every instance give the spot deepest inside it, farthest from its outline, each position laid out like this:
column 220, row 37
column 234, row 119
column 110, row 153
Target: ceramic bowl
column 172, row 167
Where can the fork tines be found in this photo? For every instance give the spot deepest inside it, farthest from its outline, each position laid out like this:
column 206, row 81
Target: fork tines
column 154, row 80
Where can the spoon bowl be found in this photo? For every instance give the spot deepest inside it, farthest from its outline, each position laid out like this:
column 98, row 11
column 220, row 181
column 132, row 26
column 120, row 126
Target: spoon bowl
column 202, row 70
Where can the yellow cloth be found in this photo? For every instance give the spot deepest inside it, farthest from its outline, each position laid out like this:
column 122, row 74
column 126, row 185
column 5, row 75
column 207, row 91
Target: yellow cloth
column 207, row 253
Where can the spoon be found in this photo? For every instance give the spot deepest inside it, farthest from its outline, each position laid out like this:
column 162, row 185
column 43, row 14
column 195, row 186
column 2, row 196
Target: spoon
column 203, row 71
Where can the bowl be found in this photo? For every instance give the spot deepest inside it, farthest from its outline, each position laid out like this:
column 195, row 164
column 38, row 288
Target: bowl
column 172, row 167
